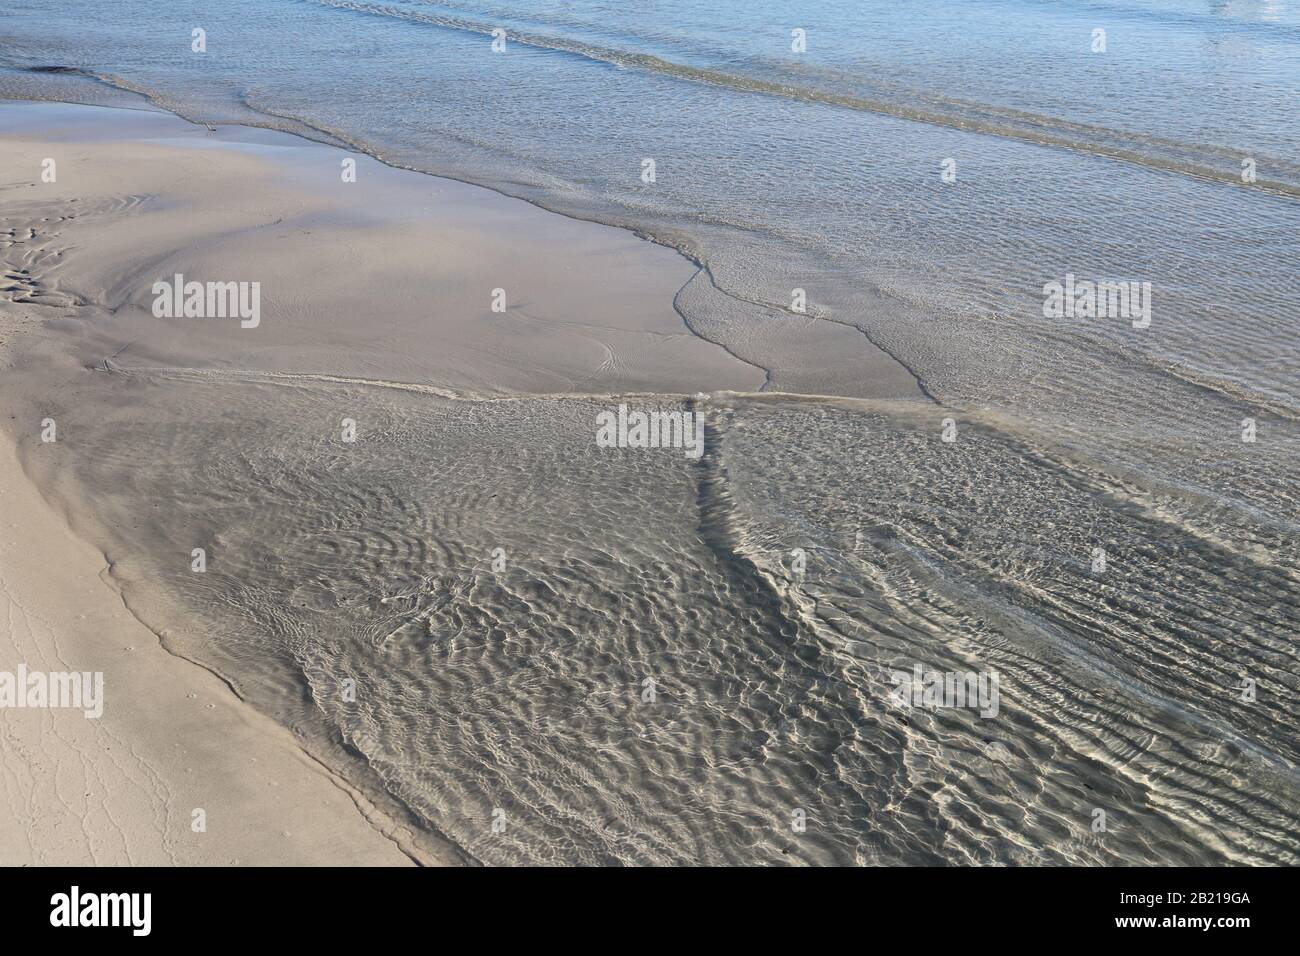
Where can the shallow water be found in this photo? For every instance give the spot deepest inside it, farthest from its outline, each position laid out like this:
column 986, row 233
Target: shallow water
column 762, row 594
column 785, row 170
column 521, row 689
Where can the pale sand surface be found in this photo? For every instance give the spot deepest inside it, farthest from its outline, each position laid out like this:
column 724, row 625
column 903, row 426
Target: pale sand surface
column 121, row 789
column 388, row 278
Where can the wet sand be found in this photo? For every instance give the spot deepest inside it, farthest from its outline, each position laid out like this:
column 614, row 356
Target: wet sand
column 122, row 789
column 389, row 278
column 459, row 610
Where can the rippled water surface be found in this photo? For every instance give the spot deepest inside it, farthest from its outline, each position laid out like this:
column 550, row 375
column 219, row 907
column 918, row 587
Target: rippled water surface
column 764, row 594
column 521, row 689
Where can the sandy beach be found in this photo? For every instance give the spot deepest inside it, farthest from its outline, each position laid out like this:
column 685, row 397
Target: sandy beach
column 174, row 737
column 387, row 278
column 325, row 466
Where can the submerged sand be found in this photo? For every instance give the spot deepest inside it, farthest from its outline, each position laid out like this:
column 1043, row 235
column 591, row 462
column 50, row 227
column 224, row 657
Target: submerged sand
column 387, row 277
column 122, row 789
column 459, row 612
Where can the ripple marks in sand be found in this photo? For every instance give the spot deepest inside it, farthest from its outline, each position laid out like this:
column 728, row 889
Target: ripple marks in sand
column 355, row 592
column 1122, row 686
column 32, row 247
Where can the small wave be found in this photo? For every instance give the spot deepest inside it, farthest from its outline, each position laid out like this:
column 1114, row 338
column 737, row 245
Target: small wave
column 1141, row 149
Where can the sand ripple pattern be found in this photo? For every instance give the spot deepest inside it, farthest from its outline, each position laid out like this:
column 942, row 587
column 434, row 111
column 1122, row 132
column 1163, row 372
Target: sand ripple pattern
column 351, row 592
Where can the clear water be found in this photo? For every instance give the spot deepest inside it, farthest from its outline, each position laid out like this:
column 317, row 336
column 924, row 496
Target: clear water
column 822, row 170
column 784, row 170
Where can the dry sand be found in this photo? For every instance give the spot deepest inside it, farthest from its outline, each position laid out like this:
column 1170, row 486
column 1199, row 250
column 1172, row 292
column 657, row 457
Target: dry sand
column 173, row 738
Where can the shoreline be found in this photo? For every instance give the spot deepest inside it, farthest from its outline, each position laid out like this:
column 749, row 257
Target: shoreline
column 338, row 563
column 98, row 288
column 175, row 737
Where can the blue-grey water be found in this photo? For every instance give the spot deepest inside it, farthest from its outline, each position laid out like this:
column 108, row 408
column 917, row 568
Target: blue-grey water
column 782, row 170
column 1169, row 156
